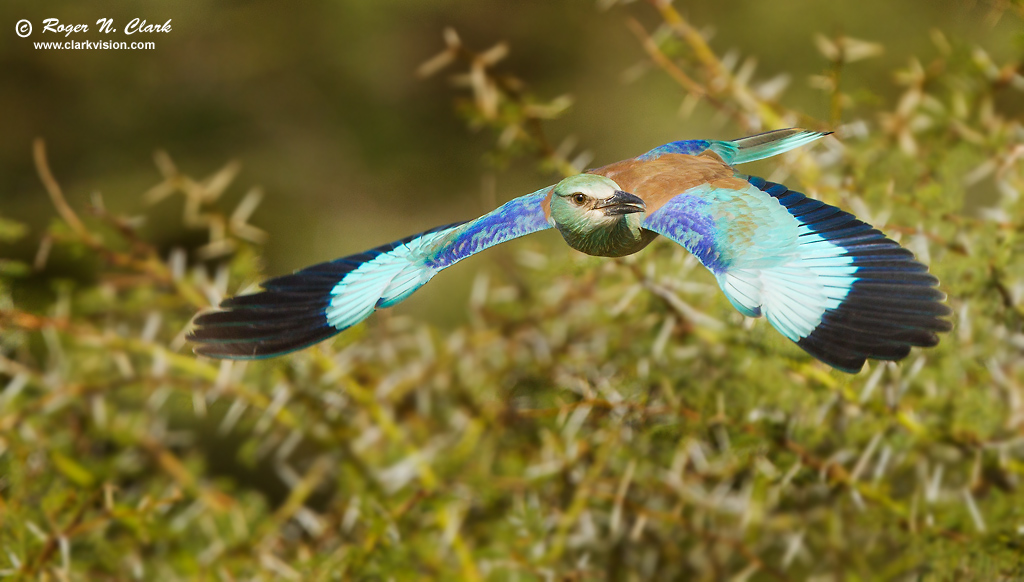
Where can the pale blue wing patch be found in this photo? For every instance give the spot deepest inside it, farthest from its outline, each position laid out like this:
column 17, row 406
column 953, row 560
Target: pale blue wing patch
column 382, row 281
column 392, row 276
column 759, row 253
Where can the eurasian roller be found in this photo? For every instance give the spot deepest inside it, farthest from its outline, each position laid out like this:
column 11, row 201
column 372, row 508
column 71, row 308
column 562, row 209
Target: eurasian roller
column 829, row 282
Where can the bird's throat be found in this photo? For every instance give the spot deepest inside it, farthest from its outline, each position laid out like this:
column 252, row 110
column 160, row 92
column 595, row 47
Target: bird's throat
column 617, row 239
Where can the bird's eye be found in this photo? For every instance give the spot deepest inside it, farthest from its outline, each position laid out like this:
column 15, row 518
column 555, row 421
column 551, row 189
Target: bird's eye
column 579, row 198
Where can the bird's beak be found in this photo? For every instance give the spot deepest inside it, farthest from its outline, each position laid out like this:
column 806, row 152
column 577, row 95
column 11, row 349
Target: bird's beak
column 621, row 203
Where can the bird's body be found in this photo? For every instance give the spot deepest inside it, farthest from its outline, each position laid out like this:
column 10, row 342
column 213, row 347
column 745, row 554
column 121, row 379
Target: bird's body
column 827, row 281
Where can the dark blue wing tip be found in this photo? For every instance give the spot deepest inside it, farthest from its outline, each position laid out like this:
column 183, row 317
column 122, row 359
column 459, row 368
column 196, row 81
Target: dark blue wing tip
column 882, row 318
column 846, row 339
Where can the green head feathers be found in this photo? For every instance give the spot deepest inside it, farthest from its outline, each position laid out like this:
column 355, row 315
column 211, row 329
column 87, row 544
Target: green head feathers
column 596, row 217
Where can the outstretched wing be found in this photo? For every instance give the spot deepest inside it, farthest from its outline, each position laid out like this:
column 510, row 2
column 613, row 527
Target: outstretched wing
column 296, row 311
column 834, row 285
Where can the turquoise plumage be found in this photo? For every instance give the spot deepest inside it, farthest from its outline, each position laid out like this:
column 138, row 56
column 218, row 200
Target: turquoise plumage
column 825, row 280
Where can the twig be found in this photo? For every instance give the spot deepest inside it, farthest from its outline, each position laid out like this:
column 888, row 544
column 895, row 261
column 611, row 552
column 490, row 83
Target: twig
column 57, row 196
column 680, row 76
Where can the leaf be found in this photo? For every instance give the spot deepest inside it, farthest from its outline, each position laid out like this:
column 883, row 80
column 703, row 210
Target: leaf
column 10, row 230
column 12, row 268
column 72, row 469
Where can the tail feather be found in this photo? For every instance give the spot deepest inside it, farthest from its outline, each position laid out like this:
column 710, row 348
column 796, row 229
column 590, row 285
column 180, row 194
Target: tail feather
column 764, row 145
column 298, row 310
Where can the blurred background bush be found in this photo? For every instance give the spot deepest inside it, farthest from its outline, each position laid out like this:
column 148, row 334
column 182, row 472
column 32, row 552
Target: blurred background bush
column 532, row 413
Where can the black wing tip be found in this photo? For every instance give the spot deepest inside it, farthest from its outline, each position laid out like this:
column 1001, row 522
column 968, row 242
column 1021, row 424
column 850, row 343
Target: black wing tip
column 877, row 327
column 252, row 334
column 848, row 359
column 262, row 325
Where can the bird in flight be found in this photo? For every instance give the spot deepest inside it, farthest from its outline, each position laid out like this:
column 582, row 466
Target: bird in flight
column 829, row 282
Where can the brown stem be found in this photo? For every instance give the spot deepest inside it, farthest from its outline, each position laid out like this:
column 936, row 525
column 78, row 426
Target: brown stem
column 56, row 195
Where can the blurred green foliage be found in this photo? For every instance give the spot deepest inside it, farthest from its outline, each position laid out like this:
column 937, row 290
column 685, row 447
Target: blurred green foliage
column 590, row 419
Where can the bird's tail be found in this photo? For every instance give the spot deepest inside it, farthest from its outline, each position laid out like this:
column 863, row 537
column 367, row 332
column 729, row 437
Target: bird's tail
column 764, row 145
column 311, row 305
column 845, row 293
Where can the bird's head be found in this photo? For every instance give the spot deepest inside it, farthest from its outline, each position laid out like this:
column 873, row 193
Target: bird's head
column 586, row 203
